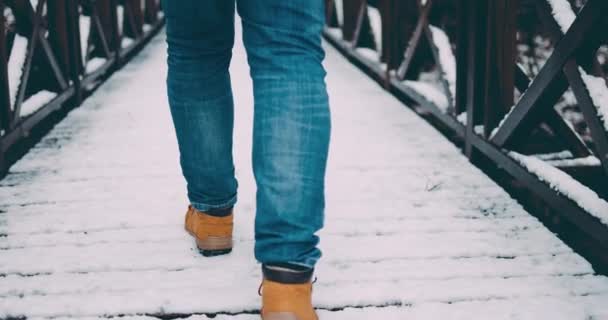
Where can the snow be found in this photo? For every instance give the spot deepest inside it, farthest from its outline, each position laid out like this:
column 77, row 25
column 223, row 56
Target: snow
column 563, row 14
column 430, row 92
column 126, row 42
column 598, row 91
column 463, row 118
column 36, row 101
column 120, row 16
column 589, row 161
column 562, row 155
column 334, row 32
column 91, row 219
column 85, row 29
column 369, row 54
column 375, row 21
column 495, row 130
column 566, row 185
column 566, row 159
column 94, row 64
column 446, row 57
column 15, row 66
column 340, row 11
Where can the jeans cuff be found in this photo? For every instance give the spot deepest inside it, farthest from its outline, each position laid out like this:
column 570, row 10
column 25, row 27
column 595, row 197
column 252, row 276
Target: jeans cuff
column 287, row 274
column 204, row 207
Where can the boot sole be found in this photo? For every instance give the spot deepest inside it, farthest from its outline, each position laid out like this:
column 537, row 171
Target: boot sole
column 214, row 253
column 212, row 246
column 279, row 316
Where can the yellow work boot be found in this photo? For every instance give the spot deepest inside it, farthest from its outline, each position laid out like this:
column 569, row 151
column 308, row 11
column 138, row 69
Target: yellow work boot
column 213, row 235
column 287, row 301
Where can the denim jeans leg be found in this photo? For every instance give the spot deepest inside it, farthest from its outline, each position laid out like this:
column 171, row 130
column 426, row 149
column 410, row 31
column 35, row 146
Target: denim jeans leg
column 200, row 36
column 291, row 126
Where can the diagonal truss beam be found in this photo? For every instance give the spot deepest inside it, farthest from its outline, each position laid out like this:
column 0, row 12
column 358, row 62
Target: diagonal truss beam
column 415, row 39
column 544, row 86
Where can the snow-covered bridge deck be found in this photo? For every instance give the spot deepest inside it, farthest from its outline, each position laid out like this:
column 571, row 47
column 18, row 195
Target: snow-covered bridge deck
column 91, row 219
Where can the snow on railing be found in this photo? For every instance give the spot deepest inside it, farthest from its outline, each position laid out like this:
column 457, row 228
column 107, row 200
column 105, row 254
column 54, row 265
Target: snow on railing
column 504, row 119
column 589, row 161
column 598, row 91
column 335, row 32
column 85, row 29
column 446, row 57
column 15, row 66
column 369, row 54
column 562, row 155
column 566, row 159
column 339, row 5
column 430, row 92
column 563, row 13
column 463, row 118
column 36, row 101
column 565, row 185
column 375, row 21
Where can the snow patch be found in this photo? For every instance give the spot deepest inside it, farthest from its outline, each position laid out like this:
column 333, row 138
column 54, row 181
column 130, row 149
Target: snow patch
column 563, row 14
column 85, row 30
column 375, row 21
column 566, row 185
column 502, row 121
column 430, row 92
column 599, row 95
column 562, row 155
column 35, row 102
column 369, row 54
column 126, row 42
column 15, row 66
column 462, row 118
column 334, row 32
column 590, row 161
column 94, row 64
column 340, row 11
column 446, row 57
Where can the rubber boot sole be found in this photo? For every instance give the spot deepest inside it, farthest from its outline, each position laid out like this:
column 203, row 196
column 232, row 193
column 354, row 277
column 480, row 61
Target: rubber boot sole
column 279, row 316
column 214, row 253
column 213, row 246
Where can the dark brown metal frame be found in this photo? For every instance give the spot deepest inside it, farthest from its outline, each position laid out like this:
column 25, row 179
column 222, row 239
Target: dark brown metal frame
column 487, row 77
column 53, row 33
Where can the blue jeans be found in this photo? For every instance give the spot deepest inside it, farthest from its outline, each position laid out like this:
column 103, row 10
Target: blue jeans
column 291, row 114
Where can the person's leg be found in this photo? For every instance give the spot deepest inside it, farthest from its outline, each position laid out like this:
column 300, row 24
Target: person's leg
column 200, row 36
column 291, row 127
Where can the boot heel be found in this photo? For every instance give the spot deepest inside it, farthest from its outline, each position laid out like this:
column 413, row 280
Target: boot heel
column 213, row 235
column 214, row 253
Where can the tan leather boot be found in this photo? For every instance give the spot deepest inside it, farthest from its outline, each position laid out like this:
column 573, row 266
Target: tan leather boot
column 287, row 301
column 213, row 235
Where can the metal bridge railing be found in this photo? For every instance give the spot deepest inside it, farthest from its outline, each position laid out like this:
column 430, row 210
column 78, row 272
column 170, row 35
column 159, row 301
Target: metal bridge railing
column 520, row 84
column 53, row 53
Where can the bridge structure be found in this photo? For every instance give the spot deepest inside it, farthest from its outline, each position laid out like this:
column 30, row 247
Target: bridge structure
column 467, row 175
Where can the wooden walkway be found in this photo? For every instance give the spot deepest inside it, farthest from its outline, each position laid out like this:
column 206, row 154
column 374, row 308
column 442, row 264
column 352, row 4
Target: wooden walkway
column 91, row 219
